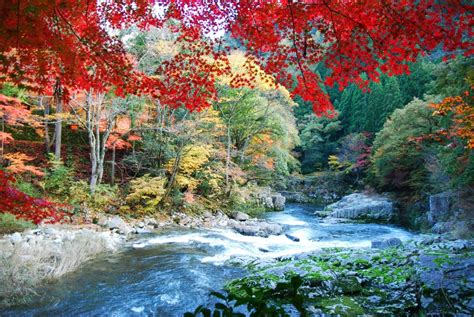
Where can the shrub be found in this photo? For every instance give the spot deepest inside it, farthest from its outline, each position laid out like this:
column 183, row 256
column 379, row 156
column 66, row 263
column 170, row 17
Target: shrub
column 104, row 197
column 146, row 193
column 28, row 188
column 58, row 180
column 24, row 206
column 9, row 224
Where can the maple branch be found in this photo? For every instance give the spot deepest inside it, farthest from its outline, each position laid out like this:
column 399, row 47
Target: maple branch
column 85, row 42
column 294, row 44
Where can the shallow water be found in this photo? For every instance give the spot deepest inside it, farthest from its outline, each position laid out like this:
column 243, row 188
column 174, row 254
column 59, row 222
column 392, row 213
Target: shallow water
column 170, row 273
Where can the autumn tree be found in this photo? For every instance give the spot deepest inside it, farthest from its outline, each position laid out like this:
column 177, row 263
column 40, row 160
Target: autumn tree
column 76, row 47
column 98, row 114
column 398, row 162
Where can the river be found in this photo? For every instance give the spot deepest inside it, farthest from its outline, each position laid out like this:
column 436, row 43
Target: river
column 172, row 272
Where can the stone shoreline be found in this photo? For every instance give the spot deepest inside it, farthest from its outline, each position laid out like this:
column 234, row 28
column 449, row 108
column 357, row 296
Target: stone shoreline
column 46, row 253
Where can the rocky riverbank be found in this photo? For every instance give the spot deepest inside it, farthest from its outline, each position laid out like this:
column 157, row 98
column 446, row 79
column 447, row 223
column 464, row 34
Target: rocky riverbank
column 427, row 276
column 32, row 257
column 444, row 213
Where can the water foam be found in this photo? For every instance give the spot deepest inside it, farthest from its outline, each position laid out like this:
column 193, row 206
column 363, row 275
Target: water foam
column 312, row 236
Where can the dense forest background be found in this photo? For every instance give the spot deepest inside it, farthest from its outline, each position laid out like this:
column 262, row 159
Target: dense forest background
column 410, row 135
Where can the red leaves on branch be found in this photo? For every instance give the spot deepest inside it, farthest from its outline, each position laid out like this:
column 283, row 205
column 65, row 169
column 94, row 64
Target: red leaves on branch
column 23, row 206
column 461, row 121
column 71, row 40
column 114, row 141
column 13, row 111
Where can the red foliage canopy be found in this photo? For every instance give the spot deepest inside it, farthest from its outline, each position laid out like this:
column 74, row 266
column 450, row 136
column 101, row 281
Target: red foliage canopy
column 42, row 41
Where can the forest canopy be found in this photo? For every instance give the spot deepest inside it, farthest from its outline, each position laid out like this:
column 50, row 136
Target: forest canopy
column 63, row 46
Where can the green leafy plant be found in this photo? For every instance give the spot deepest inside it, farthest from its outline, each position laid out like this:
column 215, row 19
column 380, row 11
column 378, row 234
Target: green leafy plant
column 58, row 180
column 9, row 224
column 104, row 197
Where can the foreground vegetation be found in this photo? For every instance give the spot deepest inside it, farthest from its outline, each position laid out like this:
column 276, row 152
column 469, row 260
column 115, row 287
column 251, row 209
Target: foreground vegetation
column 43, row 255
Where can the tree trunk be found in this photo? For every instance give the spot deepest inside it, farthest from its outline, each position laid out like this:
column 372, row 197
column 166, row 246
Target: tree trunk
column 244, row 147
column 227, row 162
column 100, row 166
column 3, row 139
column 47, row 140
column 58, row 125
column 112, row 170
column 94, row 174
column 172, row 179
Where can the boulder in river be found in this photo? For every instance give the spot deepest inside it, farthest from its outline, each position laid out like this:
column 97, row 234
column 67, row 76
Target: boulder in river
column 118, row 223
column 270, row 200
column 256, row 228
column 388, row 243
column 292, row 238
column 240, row 216
column 363, row 207
column 278, row 202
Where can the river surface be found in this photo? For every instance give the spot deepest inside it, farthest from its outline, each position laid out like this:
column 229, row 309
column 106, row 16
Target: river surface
column 172, row 272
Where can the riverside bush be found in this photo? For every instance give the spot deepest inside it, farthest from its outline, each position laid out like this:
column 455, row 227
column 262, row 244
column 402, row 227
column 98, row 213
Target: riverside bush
column 9, row 224
column 104, row 196
column 58, row 180
column 24, row 206
column 146, row 193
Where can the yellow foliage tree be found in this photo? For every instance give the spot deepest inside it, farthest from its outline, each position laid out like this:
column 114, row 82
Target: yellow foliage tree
column 193, row 158
column 146, row 193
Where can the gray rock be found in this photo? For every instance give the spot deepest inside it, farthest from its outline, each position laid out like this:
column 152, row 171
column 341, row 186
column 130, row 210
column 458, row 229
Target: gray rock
column 295, row 197
column 240, row 216
column 151, row 222
column 50, row 231
column 115, row 222
column 141, row 231
column 278, row 201
column 102, row 221
column 267, row 202
column 256, row 228
column 322, row 213
column 388, row 243
column 118, row 224
column 443, row 227
column 455, row 245
column 440, row 207
column 16, row 238
column 364, row 207
column 292, row 238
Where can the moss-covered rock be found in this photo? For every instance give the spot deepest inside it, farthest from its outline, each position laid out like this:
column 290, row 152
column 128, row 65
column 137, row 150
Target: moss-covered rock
column 342, row 306
column 419, row 278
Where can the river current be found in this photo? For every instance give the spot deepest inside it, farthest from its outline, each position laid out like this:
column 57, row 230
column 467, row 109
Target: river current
column 172, row 272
